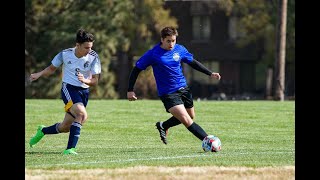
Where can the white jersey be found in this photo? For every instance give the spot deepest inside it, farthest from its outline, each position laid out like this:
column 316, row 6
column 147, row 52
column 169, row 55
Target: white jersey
column 87, row 65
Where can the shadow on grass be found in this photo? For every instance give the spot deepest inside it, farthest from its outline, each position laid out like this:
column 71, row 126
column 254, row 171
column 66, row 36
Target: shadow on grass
column 38, row 152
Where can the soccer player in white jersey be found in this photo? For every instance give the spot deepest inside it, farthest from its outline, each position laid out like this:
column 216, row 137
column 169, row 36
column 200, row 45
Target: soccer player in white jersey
column 166, row 58
column 81, row 69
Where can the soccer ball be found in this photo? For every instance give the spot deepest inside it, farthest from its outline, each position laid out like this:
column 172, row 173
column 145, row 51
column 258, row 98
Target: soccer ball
column 211, row 143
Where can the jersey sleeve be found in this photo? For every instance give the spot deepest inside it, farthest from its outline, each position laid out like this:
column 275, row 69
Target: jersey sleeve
column 187, row 56
column 96, row 66
column 57, row 60
column 145, row 60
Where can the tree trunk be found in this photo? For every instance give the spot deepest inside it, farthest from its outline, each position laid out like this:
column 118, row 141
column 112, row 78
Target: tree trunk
column 280, row 51
column 122, row 74
column 269, row 83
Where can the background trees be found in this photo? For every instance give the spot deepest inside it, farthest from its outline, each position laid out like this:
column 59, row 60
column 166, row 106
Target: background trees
column 259, row 21
column 127, row 28
column 122, row 29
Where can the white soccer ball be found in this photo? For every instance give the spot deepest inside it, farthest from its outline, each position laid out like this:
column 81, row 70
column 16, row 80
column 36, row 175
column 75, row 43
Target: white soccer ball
column 211, row 143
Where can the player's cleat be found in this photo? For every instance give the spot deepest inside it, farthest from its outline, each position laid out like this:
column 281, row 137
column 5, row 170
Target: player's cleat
column 71, row 151
column 36, row 138
column 163, row 133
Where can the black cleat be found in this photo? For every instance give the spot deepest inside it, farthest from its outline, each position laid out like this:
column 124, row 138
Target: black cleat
column 163, row 133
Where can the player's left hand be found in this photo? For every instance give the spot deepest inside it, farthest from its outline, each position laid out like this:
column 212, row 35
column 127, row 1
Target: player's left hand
column 80, row 77
column 216, row 75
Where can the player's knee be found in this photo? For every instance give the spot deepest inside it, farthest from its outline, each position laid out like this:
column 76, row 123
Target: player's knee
column 84, row 120
column 81, row 117
column 186, row 120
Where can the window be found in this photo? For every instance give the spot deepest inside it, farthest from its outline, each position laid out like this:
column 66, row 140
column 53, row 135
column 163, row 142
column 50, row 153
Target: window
column 232, row 28
column 201, row 27
column 234, row 31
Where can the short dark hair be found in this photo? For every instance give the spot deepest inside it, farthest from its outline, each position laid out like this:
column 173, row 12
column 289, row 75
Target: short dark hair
column 168, row 31
column 84, row 36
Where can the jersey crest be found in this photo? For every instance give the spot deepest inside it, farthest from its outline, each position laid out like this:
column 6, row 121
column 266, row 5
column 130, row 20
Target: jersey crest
column 86, row 64
column 176, row 56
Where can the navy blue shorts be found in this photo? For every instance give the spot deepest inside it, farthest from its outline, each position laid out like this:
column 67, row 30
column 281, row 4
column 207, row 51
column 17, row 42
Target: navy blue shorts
column 73, row 94
column 182, row 96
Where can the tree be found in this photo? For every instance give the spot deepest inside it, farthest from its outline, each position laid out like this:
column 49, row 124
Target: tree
column 120, row 27
column 147, row 18
column 259, row 21
column 281, row 49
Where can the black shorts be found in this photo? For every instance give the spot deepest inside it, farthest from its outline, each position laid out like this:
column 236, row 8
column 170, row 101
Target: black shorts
column 182, row 96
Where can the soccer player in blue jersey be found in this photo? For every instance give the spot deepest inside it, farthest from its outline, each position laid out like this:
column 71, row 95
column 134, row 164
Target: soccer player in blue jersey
column 81, row 69
column 166, row 58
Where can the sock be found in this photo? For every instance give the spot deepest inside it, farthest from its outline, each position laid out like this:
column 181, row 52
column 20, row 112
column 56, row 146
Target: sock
column 197, row 131
column 51, row 129
column 74, row 135
column 170, row 123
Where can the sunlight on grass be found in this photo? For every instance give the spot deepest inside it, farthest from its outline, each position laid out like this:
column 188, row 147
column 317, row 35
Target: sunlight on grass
column 122, row 134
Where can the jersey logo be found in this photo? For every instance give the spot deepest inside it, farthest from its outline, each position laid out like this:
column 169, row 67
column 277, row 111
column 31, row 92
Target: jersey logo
column 176, row 56
column 86, row 64
column 77, row 71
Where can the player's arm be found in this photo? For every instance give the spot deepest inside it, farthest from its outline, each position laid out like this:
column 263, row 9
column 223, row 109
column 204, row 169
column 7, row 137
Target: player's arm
column 90, row 82
column 46, row 72
column 132, row 80
column 200, row 67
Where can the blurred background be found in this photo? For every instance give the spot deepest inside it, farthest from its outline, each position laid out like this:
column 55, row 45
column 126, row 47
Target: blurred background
column 239, row 39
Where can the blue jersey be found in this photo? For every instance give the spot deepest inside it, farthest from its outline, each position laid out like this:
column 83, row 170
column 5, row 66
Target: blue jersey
column 167, row 68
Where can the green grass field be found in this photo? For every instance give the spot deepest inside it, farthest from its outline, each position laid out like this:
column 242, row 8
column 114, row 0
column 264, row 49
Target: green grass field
column 121, row 133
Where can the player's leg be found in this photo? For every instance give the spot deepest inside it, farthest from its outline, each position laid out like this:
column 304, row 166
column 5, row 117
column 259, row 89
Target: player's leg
column 171, row 122
column 80, row 113
column 168, row 101
column 191, row 112
column 65, row 125
column 187, row 100
column 180, row 112
column 186, row 97
column 76, row 99
column 56, row 128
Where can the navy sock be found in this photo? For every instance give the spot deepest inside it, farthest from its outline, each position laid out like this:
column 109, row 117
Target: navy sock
column 170, row 123
column 74, row 135
column 197, row 131
column 51, row 129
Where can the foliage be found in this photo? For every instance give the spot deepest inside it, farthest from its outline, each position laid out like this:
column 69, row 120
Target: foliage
column 131, row 27
column 117, row 25
column 146, row 86
column 139, row 35
column 257, row 22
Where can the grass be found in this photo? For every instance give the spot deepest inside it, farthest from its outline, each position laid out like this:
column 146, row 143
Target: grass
column 120, row 134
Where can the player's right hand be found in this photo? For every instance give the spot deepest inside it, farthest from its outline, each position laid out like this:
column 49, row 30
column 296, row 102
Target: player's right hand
column 131, row 96
column 34, row 77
